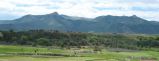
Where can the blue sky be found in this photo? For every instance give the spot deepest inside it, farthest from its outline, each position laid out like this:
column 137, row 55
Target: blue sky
column 147, row 9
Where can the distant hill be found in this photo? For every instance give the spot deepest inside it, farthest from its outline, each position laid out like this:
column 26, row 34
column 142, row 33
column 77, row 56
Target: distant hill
column 110, row 24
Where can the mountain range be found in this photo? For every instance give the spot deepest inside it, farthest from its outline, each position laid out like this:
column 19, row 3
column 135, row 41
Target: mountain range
column 108, row 24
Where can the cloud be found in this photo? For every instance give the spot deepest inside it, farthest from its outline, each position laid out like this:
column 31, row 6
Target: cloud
column 148, row 9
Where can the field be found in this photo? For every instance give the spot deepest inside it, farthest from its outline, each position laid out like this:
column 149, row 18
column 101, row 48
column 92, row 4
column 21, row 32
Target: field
column 28, row 53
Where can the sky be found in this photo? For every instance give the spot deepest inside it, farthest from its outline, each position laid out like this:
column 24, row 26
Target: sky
column 147, row 9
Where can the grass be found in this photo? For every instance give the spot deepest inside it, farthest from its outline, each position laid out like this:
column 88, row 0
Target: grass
column 105, row 55
column 24, row 58
column 24, row 49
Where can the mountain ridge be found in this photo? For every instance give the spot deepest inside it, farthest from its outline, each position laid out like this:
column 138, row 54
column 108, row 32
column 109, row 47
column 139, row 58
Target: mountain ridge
column 109, row 23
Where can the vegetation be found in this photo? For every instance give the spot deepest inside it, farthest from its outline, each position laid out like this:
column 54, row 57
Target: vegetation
column 81, row 55
column 78, row 39
column 53, row 45
column 109, row 23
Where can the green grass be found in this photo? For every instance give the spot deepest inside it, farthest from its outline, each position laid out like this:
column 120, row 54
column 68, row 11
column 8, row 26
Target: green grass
column 103, row 56
column 18, row 58
column 24, row 49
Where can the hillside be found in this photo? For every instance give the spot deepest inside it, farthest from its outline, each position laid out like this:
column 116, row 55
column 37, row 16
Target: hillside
column 108, row 24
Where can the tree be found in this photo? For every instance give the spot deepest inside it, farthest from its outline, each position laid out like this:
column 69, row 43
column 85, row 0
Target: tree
column 43, row 42
column 23, row 40
column 1, row 35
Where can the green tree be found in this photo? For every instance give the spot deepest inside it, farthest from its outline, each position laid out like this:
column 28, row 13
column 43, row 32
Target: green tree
column 43, row 42
column 1, row 35
column 23, row 40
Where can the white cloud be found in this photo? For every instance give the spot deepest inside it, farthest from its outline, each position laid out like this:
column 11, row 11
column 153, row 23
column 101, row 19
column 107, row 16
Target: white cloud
column 83, row 8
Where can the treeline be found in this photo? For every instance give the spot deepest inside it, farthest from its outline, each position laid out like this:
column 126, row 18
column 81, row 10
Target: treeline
column 78, row 39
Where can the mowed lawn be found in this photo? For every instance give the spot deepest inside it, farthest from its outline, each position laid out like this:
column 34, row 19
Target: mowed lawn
column 102, row 56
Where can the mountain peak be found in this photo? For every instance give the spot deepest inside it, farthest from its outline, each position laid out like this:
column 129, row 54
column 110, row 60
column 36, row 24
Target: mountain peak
column 25, row 16
column 109, row 23
column 134, row 16
column 54, row 13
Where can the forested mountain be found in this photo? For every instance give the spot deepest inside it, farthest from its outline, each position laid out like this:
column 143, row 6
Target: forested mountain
column 109, row 24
